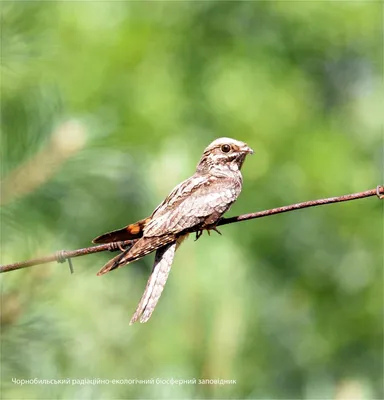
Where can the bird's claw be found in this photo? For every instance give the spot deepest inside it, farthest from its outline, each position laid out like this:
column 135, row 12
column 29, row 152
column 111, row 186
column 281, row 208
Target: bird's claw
column 213, row 229
column 216, row 230
column 121, row 247
column 117, row 246
column 198, row 234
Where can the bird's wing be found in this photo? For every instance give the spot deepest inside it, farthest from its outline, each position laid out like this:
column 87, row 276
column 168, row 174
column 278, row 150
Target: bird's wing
column 179, row 193
column 155, row 285
column 191, row 203
column 130, row 232
column 135, row 230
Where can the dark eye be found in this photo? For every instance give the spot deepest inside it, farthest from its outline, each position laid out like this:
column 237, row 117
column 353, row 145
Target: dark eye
column 225, row 148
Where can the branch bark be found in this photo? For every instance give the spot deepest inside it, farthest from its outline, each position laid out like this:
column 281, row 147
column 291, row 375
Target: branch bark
column 63, row 255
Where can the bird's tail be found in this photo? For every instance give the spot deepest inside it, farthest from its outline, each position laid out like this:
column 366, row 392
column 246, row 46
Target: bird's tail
column 156, row 282
column 140, row 249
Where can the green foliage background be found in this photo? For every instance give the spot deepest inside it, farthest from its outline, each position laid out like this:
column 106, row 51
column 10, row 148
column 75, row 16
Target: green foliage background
column 106, row 106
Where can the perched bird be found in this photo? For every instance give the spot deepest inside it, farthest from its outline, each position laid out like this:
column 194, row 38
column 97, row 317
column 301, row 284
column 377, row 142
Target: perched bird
column 196, row 204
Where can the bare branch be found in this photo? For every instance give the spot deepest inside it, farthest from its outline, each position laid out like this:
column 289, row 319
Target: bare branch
column 379, row 191
column 63, row 255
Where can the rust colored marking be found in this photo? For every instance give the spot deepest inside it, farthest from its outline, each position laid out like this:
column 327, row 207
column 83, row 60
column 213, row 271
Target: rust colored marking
column 133, row 229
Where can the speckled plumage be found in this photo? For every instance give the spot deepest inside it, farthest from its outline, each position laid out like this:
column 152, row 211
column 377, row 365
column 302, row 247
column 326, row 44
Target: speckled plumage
column 196, row 204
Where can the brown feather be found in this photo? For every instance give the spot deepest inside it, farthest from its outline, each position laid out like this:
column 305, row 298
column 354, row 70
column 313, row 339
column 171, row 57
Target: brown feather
column 156, row 282
column 155, row 285
column 140, row 249
column 130, row 232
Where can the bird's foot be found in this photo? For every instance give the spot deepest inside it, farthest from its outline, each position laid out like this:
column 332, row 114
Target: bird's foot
column 118, row 246
column 213, row 229
column 198, row 234
column 216, row 230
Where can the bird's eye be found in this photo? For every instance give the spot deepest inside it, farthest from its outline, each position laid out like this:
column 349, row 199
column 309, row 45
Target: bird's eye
column 225, row 148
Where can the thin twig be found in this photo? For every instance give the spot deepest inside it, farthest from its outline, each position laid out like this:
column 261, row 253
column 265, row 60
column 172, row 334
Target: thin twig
column 63, row 255
column 312, row 203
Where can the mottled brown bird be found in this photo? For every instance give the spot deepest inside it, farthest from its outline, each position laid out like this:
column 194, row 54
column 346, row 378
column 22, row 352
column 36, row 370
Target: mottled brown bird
column 196, row 204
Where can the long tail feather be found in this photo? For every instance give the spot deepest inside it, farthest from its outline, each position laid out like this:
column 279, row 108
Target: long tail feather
column 155, row 285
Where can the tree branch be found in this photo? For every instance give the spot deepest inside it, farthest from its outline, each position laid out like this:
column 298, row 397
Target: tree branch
column 63, row 255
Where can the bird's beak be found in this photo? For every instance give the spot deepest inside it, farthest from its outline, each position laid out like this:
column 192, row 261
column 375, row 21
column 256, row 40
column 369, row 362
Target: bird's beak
column 247, row 149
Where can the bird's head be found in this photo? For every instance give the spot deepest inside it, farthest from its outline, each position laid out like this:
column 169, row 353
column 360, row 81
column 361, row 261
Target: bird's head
column 223, row 154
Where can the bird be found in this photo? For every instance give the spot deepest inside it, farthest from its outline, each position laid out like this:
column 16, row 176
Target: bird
column 195, row 205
